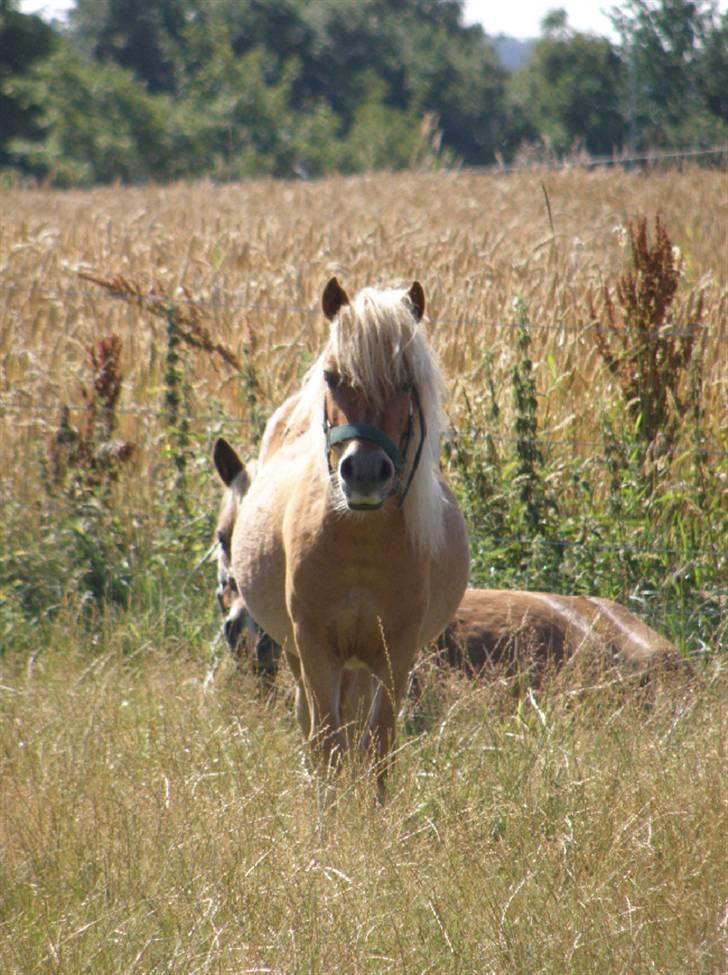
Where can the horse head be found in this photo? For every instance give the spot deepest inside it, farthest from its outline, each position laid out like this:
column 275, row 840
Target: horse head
column 372, row 415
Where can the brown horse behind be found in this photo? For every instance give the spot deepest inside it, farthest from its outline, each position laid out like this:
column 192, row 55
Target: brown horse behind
column 242, row 635
column 530, row 631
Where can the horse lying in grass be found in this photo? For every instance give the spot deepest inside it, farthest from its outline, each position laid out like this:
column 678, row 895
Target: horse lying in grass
column 531, row 631
column 492, row 629
column 348, row 547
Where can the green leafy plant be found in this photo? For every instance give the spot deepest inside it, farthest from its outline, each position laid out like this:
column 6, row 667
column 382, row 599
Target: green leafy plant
column 512, row 513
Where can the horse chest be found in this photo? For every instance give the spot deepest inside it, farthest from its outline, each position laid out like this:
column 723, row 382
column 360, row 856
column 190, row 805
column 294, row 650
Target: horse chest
column 356, row 583
column 374, row 559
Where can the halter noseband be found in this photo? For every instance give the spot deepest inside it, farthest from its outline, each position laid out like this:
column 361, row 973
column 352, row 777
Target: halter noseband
column 363, row 431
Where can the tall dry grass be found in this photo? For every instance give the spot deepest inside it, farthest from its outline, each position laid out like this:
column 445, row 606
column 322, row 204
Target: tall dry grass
column 259, row 254
column 149, row 826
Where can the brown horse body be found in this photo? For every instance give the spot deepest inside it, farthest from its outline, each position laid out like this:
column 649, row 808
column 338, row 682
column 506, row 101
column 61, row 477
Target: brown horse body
column 349, row 549
column 531, row 630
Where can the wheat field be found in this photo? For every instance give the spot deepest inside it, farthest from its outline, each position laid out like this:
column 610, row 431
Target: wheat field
column 257, row 256
column 155, row 821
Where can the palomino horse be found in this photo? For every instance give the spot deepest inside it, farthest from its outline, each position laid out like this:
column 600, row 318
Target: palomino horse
column 349, row 549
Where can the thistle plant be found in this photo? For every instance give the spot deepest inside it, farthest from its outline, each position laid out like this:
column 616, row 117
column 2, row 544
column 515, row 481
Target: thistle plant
column 525, row 407
column 184, row 319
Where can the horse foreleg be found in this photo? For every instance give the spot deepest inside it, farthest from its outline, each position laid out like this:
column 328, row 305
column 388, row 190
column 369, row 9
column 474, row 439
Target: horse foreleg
column 381, row 733
column 303, row 715
column 321, row 678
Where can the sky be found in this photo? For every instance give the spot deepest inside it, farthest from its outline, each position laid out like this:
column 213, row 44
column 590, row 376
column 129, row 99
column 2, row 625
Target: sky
column 517, row 18
column 522, row 18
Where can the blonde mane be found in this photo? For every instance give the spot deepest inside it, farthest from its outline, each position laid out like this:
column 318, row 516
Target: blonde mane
column 378, row 347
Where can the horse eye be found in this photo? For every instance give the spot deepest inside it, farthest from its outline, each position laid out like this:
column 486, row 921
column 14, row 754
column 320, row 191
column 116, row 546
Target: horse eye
column 332, row 378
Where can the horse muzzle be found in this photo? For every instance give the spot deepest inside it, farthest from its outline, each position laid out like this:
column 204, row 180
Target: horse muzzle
column 242, row 633
column 367, row 477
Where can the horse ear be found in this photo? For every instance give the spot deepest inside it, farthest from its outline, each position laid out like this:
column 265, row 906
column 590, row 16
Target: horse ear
column 416, row 296
column 334, row 297
column 227, row 462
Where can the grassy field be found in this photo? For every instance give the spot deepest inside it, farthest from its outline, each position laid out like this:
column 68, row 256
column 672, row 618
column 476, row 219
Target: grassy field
column 154, row 821
column 150, row 826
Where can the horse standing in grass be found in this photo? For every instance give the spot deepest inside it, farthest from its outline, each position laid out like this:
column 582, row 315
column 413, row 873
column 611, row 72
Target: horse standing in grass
column 493, row 632
column 349, row 549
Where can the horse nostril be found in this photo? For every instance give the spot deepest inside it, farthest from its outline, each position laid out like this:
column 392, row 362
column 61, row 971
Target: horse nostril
column 346, row 468
column 385, row 470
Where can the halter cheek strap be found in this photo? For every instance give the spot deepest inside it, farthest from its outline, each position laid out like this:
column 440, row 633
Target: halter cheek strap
column 363, row 431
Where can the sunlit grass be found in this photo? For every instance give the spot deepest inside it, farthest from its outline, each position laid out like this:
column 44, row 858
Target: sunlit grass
column 150, row 825
column 257, row 256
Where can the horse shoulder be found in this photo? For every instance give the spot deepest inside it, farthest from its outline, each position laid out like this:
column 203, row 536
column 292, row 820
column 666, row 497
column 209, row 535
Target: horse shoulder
column 258, row 551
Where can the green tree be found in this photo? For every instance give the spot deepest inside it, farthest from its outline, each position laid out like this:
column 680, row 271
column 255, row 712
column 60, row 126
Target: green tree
column 24, row 40
column 429, row 65
column 572, row 89
column 380, row 136
column 457, row 77
column 425, row 62
column 675, row 54
column 94, row 123
column 144, row 36
column 247, row 124
column 712, row 81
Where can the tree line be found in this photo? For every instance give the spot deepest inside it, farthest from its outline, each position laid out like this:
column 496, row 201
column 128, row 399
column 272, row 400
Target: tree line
column 137, row 90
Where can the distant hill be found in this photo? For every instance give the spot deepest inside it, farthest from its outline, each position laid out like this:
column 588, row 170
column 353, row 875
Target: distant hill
column 512, row 53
